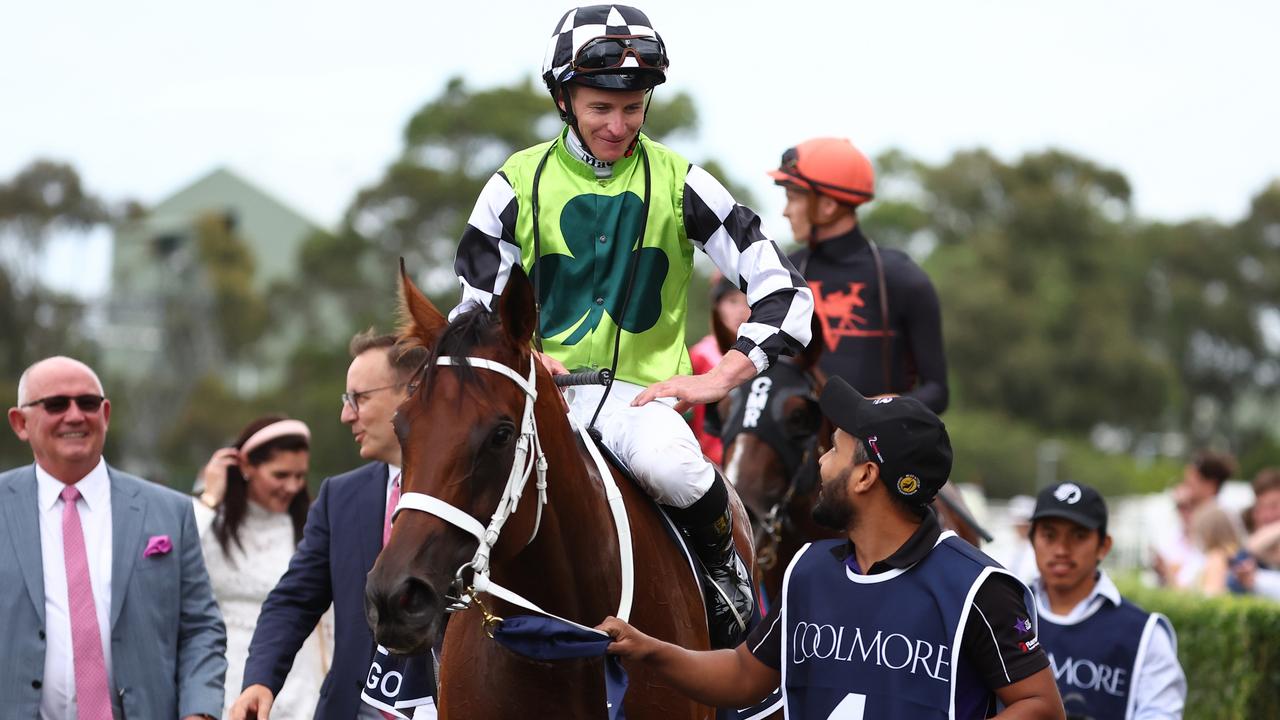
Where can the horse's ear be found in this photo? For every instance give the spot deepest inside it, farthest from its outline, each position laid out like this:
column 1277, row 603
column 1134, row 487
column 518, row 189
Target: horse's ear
column 812, row 353
column 516, row 307
column 420, row 322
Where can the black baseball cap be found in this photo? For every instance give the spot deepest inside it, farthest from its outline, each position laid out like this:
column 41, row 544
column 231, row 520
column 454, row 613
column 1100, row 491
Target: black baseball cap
column 1078, row 503
column 903, row 436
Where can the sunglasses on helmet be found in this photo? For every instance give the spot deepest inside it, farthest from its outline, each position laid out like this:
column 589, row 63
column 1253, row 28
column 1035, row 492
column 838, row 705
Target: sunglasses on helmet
column 58, row 404
column 609, row 52
column 791, row 161
column 791, row 166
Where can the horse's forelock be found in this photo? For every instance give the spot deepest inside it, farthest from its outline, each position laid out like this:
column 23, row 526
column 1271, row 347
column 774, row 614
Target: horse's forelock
column 474, row 328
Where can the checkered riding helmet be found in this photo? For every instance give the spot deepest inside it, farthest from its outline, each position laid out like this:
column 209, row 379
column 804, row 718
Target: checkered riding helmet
column 581, row 26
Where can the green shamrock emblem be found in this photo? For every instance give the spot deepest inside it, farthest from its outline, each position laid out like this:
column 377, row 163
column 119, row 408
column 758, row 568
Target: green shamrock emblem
column 579, row 288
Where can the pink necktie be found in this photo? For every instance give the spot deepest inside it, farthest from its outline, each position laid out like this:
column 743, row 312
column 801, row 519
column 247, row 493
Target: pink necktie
column 93, row 692
column 393, row 499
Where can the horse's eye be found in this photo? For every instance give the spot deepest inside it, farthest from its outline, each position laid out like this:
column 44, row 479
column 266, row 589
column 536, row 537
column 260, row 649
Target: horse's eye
column 801, row 422
column 502, row 435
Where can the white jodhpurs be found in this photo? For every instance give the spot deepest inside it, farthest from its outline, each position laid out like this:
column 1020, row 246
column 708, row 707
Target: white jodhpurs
column 653, row 440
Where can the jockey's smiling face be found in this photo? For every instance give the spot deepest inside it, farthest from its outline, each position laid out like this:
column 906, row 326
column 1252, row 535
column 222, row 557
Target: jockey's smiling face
column 608, row 120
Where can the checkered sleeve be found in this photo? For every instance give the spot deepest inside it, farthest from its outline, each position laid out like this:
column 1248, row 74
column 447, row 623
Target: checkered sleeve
column 781, row 302
column 488, row 248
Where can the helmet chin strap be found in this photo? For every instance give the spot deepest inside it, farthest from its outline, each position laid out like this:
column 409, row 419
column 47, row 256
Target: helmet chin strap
column 569, row 117
column 811, row 212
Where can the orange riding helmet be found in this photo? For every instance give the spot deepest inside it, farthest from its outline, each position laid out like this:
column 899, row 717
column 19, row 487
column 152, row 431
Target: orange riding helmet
column 831, row 167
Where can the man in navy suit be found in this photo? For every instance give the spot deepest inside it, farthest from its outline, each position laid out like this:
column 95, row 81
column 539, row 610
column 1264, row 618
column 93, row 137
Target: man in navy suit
column 106, row 610
column 342, row 538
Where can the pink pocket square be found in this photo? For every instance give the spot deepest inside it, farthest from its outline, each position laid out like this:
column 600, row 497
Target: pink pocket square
column 158, row 545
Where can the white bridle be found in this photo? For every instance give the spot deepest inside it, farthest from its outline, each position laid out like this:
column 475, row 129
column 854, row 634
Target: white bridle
column 528, row 455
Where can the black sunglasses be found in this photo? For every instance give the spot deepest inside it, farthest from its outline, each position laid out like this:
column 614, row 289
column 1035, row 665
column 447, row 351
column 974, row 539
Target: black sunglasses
column 609, row 51
column 58, row 404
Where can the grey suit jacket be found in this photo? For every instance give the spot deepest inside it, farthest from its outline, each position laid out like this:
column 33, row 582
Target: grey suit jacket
column 168, row 642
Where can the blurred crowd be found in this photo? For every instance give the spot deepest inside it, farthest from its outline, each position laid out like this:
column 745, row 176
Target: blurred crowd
column 1212, row 549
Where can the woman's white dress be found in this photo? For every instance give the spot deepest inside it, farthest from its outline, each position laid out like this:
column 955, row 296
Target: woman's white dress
column 241, row 581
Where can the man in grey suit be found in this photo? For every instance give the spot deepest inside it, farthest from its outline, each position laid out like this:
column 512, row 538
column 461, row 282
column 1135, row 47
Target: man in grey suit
column 105, row 606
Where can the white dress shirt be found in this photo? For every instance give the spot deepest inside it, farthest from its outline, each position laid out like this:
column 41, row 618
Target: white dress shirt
column 58, row 691
column 1160, row 688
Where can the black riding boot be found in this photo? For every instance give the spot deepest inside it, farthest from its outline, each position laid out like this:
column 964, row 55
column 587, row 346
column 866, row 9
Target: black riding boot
column 726, row 582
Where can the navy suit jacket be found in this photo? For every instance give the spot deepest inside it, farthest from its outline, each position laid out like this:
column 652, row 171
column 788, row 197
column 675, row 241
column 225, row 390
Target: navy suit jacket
column 342, row 538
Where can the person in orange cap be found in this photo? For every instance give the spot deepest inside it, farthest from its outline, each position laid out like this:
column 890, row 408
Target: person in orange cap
column 880, row 315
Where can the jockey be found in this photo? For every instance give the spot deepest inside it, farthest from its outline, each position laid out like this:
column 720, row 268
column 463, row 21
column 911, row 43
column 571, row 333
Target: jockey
column 604, row 221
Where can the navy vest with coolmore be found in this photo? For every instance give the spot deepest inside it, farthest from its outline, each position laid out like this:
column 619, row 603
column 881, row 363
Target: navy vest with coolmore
column 885, row 645
column 1095, row 677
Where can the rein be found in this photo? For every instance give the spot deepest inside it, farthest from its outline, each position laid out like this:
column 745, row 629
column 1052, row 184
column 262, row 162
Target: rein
column 528, row 456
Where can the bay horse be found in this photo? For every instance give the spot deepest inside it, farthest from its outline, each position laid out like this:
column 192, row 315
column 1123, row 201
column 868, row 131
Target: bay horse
column 460, row 432
column 773, row 434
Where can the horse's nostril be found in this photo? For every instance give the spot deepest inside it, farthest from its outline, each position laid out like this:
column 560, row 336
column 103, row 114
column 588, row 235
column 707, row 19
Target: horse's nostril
column 415, row 597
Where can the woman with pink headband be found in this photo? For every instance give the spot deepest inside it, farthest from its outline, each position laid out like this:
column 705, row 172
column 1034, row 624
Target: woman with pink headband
column 250, row 518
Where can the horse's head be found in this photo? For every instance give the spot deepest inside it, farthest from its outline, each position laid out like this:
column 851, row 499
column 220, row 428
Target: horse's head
column 768, row 426
column 458, row 432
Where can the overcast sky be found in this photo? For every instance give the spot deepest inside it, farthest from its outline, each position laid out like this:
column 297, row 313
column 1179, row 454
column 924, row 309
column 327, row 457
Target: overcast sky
column 308, row 99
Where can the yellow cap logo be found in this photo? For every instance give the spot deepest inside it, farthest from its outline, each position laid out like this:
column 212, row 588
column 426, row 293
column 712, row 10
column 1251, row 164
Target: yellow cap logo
column 908, row 484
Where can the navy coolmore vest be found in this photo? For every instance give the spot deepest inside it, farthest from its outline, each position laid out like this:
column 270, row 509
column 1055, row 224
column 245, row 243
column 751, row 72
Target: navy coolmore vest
column 883, row 646
column 1095, row 677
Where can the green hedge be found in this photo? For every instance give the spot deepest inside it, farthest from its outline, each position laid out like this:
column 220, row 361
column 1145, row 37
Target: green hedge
column 1229, row 648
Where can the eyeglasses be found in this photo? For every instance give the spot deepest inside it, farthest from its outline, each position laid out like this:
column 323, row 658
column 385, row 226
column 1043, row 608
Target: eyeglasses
column 58, row 404
column 608, row 52
column 352, row 399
